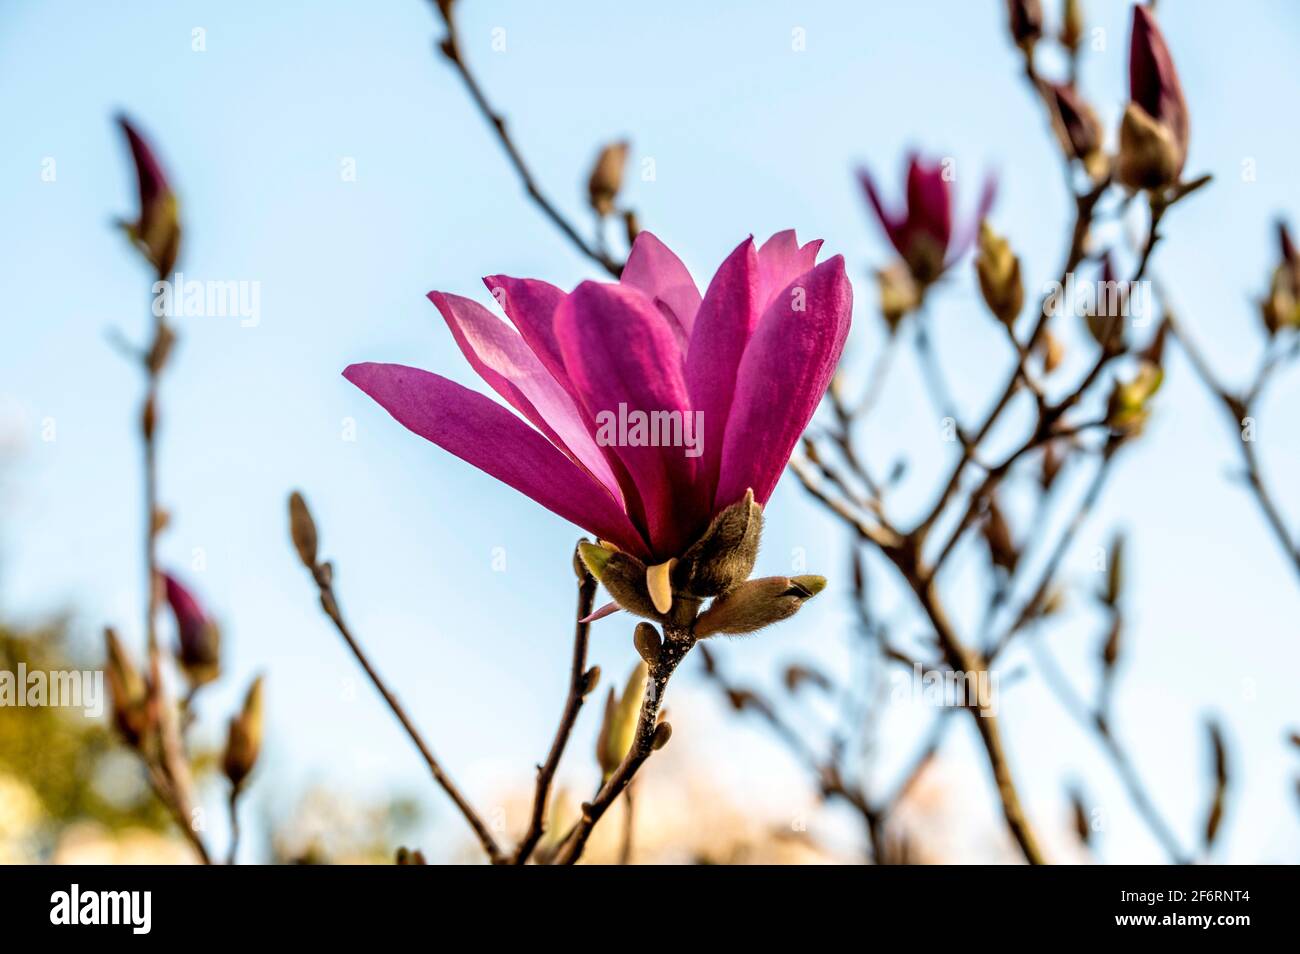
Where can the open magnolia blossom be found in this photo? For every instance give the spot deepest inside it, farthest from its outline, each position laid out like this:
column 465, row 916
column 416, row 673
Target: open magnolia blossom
column 746, row 365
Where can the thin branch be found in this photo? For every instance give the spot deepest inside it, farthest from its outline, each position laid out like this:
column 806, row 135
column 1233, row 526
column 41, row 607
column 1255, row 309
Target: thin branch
column 629, row 826
column 1033, row 605
column 581, row 683
column 323, row 575
column 451, row 48
column 1094, row 718
column 970, row 662
column 1238, row 410
column 233, row 805
column 649, row 736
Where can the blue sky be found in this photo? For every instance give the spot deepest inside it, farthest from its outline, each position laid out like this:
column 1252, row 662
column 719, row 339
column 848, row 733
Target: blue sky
column 747, row 135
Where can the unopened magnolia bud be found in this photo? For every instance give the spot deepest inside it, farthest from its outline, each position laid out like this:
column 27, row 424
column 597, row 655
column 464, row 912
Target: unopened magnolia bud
column 724, row 555
column 999, row 276
column 590, row 679
column 663, row 732
column 607, row 177
column 198, row 637
column 740, row 699
column 149, row 418
column 1051, row 466
column 1115, row 571
column 797, row 676
column 302, row 528
column 156, row 230
column 997, row 534
column 1052, row 351
column 580, row 568
column 1076, row 124
column 1053, row 602
column 1105, row 319
column 244, row 740
column 648, row 643
column 164, row 338
column 623, row 576
column 1026, row 22
column 1072, row 25
column 1128, row 408
column 130, row 694
column 899, row 295
column 618, row 730
column 1110, row 649
column 755, row 604
column 1149, row 157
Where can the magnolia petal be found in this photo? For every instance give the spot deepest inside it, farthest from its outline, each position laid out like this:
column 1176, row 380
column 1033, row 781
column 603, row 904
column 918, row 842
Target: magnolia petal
column 726, row 319
column 1153, row 80
column 503, row 360
column 530, row 305
column 622, row 358
column 966, row 235
column 781, row 380
column 654, row 269
column 894, row 226
column 929, row 201
column 609, row 609
column 781, row 260
column 483, row 433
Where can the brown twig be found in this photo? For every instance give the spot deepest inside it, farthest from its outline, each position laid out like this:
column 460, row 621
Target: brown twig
column 650, row 735
column 581, row 682
column 233, row 805
column 451, row 49
column 1096, row 719
column 323, row 574
column 629, row 826
column 171, row 766
column 1239, row 408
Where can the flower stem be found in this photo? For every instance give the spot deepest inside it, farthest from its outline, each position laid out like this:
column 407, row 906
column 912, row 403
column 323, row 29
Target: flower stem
column 678, row 641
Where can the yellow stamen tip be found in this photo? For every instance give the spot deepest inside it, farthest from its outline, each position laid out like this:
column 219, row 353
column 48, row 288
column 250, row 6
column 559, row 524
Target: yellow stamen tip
column 660, row 586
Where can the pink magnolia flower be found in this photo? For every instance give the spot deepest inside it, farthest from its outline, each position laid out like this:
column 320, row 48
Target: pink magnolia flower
column 745, row 365
column 923, row 232
column 198, row 638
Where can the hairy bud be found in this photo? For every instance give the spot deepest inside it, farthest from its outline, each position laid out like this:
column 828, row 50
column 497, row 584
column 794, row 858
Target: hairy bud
column 756, row 604
column 725, row 554
column 999, row 276
column 1129, row 405
column 623, row 576
column 607, row 177
column 648, row 643
column 302, row 528
column 244, row 740
column 130, row 694
column 1148, row 156
column 618, row 730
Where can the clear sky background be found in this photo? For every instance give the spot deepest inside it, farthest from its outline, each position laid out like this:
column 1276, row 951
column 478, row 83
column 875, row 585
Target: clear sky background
column 747, row 135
